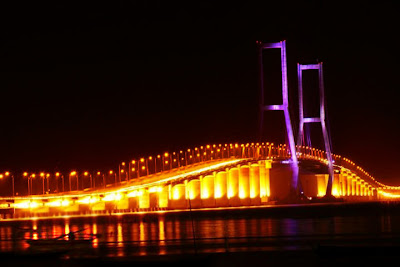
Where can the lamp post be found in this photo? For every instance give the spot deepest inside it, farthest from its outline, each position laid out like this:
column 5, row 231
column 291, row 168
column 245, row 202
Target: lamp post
column 167, row 161
column 141, row 167
column 73, row 173
column 86, row 174
column 1, row 176
column 132, row 170
column 111, row 172
column 147, row 166
column 159, row 160
column 104, row 179
column 42, row 175
column 121, row 171
column 47, row 183
column 31, row 178
column 62, row 181
column 7, row 174
column 25, row 175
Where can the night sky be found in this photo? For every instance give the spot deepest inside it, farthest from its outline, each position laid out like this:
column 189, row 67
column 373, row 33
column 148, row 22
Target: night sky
column 86, row 86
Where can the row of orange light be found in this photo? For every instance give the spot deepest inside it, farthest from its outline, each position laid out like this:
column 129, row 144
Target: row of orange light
column 42, row 174
column 358, row 168
column 166, row 154
column 345, row 159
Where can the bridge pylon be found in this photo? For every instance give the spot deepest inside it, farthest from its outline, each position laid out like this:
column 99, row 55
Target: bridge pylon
column 283, row 107
column 320, row 119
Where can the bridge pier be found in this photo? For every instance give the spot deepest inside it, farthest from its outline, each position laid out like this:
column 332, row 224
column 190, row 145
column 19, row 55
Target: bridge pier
column 221, row 182
column 343, row 176
column 163, row 197
column 255, row 182
column 244, row 185
column 265, row 190
column 193, row 187
column 207, row 191
column 178, row 197
column 233, row 187
column 144, row 199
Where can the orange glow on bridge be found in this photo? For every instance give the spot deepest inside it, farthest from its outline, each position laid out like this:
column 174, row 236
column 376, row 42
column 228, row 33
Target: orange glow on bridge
column 240, row 176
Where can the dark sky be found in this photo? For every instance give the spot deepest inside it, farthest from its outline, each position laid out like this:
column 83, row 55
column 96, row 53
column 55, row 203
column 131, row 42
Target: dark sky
column 85, row 86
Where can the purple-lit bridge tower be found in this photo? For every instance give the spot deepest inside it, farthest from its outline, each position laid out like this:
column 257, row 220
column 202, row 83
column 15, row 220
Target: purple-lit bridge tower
column 320, row 119
column 283, row 107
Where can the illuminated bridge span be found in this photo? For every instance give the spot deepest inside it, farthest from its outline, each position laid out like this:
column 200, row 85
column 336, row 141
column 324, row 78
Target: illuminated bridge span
column 211, row 176
column 229, row 175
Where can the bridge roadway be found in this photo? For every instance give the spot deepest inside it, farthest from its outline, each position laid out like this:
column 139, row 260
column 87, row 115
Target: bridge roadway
column 250, row 179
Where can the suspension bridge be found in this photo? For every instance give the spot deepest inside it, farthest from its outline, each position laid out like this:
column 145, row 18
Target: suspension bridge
column 209, row 176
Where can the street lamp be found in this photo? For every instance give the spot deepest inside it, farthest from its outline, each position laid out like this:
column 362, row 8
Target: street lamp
column 115, row 176
column 73, row 173
column 31, row 178
column 147, row 165
column 62, row 180
column 131, row 169
column 86, row 174
column 47, row 183
column 42, row 175
column 13, row 185
column 155, row 165
column 1, row 176
column 104, row 178
column 121, row 171
column 167, row 161
column 25, row 175
column 141, row 166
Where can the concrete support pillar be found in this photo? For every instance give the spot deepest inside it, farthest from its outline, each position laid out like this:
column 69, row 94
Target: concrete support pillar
column 122, row 204
column 163, row 201
column 193, row 191
column 144, row 199
column 221, row 196
column 336, row 185
column 97, row 206
column 349, row 184
column 264, row 181
column 358, row 186
column 153, row 198
column 178, row 197
column 322, row 180
column 233, row 187
column 353, row 185
column 344, row 183
column 255, row 184
column 244, row 185
column 133, row 203
column 72, row 207
column 362, row 188
column 207, row 191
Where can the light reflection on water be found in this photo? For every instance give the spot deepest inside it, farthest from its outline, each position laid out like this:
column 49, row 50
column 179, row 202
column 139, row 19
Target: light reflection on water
column 162, row 234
